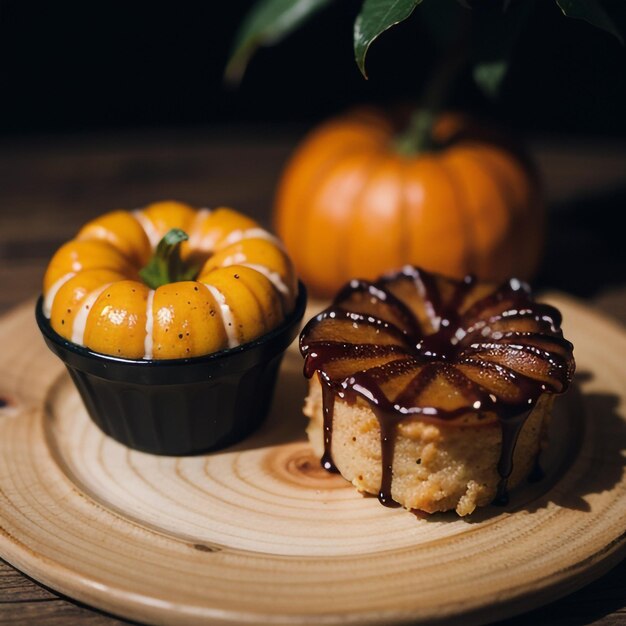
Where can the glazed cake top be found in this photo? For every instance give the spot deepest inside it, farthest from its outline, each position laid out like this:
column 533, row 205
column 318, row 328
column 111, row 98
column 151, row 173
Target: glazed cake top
column 418, row 344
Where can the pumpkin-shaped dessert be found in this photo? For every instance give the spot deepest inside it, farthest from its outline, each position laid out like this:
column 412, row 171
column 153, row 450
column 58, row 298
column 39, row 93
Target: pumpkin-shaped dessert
column 172, row 323
column 216, row 280
column 358, row 199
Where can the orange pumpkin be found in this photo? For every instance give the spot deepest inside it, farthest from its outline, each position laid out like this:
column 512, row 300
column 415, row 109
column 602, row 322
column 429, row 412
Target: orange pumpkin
column 350, row 204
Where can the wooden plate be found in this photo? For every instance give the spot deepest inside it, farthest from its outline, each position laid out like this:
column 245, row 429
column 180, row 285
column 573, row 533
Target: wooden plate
column 259, row 534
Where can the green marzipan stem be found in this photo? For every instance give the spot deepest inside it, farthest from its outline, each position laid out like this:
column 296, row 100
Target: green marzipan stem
column 166, row 266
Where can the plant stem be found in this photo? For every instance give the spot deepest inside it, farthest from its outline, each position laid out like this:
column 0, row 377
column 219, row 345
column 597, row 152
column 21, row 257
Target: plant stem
column 418, row 137
column 166, row 266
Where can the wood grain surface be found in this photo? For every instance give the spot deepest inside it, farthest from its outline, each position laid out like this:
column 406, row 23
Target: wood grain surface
column 260, row 534
column 50, row 185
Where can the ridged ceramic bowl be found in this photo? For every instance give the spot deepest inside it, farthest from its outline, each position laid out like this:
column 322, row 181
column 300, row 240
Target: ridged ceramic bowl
column 179, row 406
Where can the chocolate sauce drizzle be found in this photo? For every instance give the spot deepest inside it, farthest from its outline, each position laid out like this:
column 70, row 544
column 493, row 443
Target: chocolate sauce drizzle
column 328, row 403
column 501, row 352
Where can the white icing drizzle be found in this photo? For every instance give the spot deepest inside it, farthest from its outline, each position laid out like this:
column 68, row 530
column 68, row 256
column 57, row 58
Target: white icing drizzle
column 234, row 259
column 227, row 315
column 240, row 258
column 148, row 227
column 274, row 277
column 52, row 292
column 251, row 233
column 196, row 242
column 80, row 321
column 149, row 340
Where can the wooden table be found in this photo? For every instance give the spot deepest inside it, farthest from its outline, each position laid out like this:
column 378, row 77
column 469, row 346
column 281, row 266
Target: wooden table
column 49, row 186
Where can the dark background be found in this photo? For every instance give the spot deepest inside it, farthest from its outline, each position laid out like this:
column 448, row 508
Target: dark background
column 74, row 66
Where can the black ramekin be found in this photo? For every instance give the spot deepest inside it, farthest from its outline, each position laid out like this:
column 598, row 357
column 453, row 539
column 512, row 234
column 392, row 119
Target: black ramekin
column 179, row 406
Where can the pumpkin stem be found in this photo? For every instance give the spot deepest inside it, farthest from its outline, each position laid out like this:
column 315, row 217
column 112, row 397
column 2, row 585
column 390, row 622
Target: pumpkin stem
column 418, row 136
column 166, row 266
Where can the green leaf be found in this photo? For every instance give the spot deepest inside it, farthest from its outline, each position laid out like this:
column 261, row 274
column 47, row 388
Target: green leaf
column 489, row 76
column 268, row 22
column 375, row 18
column 591, row 11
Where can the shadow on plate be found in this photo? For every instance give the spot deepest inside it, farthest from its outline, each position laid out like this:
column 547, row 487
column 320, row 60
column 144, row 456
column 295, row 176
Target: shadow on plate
column 285, row 423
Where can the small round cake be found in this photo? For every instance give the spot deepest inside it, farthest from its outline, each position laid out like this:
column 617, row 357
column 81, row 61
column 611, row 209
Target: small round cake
column 433, row 393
